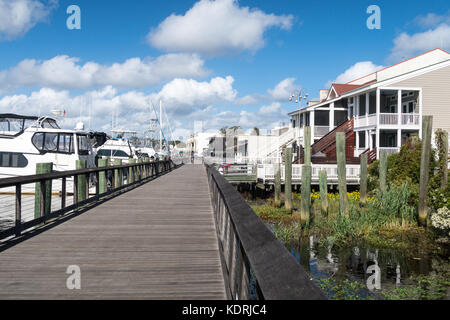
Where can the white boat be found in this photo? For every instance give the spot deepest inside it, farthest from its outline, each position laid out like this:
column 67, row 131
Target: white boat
column 28, row 140
column 118, row 148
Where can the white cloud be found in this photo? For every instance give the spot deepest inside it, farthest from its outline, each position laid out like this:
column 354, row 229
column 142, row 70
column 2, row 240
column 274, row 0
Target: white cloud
column 356, row 71
column 64, row 72
column 132, row 109
column 284, row 89
column 431, row 20
column 17, row 17
column 216, row 28
column 406, row 46
column 183, row 95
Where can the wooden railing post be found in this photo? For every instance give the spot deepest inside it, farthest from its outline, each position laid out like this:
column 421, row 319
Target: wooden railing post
column 342, row 173
column 363, row 178
column 117, row 174
column 81, row 164
column 427, row 125
column 102, row 176
column 42, row 168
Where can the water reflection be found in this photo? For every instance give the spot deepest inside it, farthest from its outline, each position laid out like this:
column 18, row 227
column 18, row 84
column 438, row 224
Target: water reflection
column 373, row 267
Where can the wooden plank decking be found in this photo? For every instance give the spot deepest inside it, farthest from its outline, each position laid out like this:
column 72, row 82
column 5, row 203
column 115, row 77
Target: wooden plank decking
column 155, row 242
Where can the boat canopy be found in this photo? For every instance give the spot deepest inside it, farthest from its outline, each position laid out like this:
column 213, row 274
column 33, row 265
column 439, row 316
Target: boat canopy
column 13, row 124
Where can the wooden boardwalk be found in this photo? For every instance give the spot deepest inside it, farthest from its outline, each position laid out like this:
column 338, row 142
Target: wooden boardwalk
column 155, row 242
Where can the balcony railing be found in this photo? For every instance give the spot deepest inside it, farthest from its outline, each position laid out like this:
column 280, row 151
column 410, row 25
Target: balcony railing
column 389, row 150
column 389, row 118
column 363, row 121
column 320, row 131
column 410, row 119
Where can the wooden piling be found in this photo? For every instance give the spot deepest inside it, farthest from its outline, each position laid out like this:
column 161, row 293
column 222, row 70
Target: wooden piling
column 278, row 185
column 383, row 171
column 323, row 183
column 305, row 211
column 102, row 176
column 140, row 169
column 288, row 179
column 342, row 173
column 363, row 178
column 42, row 168
column 427, row 125
column 81, row 190
column 131, row 171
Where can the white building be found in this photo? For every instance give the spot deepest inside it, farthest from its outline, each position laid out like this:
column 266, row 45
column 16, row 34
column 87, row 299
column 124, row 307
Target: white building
column 386, row 106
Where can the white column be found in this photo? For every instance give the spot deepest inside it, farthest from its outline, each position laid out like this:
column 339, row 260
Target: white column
column 367, row 138
column 311, row 124
column 370, row 140
column 399, row 138
column 399, row 107
column 377, row 137
column 331, row 118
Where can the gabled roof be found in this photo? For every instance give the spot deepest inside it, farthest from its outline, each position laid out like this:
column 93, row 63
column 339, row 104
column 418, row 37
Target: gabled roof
column 344, row 88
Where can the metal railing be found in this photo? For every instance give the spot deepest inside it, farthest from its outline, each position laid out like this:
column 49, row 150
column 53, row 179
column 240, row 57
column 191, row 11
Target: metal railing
column 256, row 264
column 88, row 186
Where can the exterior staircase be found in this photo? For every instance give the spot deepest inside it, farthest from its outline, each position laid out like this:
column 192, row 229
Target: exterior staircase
column 327, row 146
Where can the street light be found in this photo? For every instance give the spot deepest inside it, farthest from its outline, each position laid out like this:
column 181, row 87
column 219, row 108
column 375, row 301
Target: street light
column 300, row 96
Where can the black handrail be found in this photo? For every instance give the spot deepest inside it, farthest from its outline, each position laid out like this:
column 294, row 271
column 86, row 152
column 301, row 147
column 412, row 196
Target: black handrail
column 141, row 172
column 250, row 250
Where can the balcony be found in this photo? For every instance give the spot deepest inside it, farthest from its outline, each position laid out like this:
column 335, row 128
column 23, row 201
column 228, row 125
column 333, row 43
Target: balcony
column 389, row 119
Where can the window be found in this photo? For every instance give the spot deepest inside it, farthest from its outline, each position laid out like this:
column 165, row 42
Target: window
column 13, row 160
column 38, row 140
column 83, row 145
column 112, row 153
column 65, row 143
column 362, row 139
column 53, row 142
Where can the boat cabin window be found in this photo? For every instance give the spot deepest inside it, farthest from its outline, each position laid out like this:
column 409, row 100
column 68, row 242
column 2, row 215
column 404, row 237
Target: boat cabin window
column 12, row 160
column 49, row 124
column 53, row 142
column 112, row 153
column 83, row 145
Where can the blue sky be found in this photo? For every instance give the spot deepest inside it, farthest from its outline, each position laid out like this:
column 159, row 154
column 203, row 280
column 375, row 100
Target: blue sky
column 221, row 62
